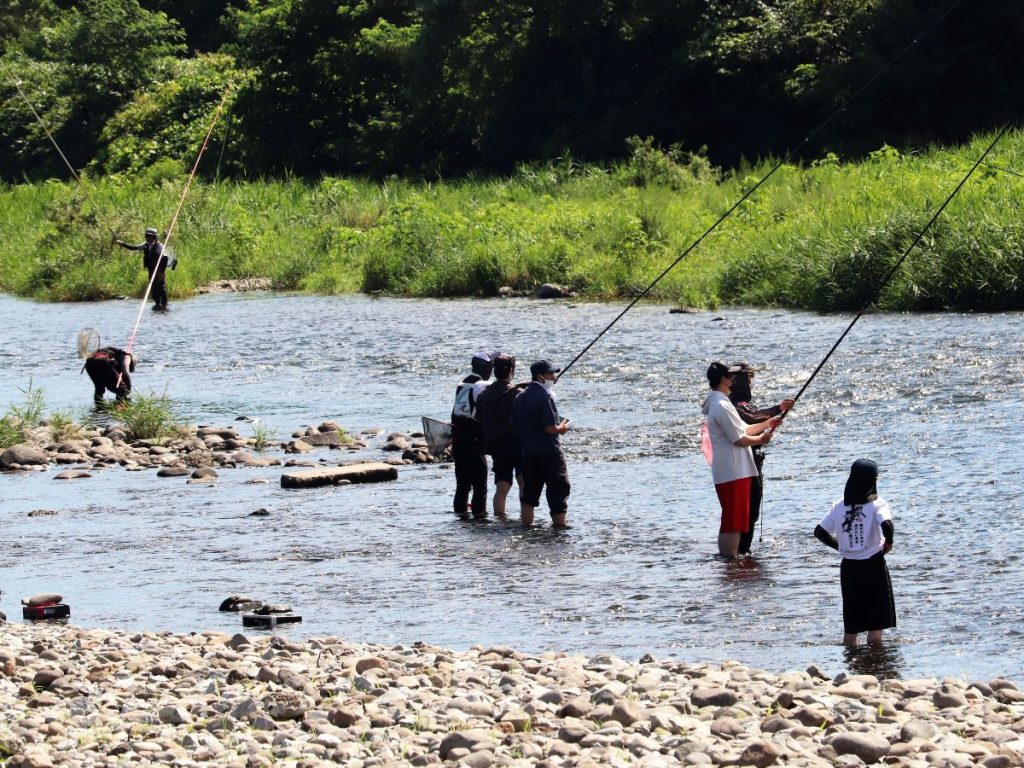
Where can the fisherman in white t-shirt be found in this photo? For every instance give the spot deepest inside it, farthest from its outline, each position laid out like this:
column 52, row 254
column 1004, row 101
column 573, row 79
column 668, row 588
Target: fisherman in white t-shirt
column 732, row 464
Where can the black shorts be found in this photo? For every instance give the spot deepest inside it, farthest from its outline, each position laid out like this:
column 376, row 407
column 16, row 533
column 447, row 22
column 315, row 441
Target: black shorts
column 549, row 471
column 506, row 466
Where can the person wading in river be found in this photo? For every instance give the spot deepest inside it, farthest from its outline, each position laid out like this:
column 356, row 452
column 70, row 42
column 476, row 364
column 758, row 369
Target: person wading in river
column 740, row 397
column 467, row 452
column 155, row 262
column 859, row 525
column 498, row 434
column 732, row 464
column 535, row 415
column 109, row 368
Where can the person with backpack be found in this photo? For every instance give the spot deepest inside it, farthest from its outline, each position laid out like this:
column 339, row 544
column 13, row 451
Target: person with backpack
column 498, row 434
column 467, row 451
column 155, row 261
column 109, row 368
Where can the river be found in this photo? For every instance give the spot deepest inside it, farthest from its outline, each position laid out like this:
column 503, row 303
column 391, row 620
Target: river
column 929, row 397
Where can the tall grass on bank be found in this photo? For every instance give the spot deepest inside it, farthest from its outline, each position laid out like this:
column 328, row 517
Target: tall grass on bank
column 818, row 236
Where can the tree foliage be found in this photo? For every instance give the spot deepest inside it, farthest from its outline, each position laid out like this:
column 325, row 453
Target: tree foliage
column 449, row 87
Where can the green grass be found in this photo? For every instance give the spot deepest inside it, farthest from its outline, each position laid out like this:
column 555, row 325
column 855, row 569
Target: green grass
column 146, row 417
column 818, row 236
column 22, row 416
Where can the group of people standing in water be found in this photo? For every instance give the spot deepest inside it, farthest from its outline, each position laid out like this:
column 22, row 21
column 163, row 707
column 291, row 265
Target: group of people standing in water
column 518, row 426
column 859, row 525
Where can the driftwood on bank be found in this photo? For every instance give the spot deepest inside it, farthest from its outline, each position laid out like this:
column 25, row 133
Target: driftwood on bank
column 369, row 472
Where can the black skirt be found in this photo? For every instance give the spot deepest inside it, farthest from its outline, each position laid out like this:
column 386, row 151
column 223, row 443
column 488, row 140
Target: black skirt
column 867, row 595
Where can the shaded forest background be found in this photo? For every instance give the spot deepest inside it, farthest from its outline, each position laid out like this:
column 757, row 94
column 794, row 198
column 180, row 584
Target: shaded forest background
column 448, row 88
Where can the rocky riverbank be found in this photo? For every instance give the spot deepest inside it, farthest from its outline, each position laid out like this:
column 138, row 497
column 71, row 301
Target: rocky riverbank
column 197, row 451
column 72, row 696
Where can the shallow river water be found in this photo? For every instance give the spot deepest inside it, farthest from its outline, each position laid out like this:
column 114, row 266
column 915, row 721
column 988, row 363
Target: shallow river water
column 927, row 396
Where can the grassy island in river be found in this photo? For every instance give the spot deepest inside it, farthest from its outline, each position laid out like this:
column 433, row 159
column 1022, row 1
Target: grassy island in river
column 818, row 236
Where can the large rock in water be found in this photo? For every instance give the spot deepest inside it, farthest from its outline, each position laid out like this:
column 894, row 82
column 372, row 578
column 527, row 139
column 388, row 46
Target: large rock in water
column 24, row 455
column 370, row 472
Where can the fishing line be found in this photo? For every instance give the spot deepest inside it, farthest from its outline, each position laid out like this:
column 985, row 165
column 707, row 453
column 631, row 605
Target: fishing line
column 174, row 219
column 896, row 266
column 806, row 140
column 56, row 146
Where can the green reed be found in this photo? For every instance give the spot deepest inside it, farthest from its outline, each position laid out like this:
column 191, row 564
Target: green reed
column 817, row 236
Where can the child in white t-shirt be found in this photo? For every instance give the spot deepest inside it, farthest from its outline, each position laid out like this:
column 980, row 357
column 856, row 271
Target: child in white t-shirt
column 860, row 526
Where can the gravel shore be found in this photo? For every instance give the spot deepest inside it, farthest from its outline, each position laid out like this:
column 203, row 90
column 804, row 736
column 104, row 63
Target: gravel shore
column 86, row 697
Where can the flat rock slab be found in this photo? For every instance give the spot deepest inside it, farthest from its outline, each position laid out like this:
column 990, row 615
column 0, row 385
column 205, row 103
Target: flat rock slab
column 370, row 472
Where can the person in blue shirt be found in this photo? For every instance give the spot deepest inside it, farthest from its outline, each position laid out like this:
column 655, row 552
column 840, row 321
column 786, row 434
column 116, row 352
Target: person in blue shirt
column 535, row 415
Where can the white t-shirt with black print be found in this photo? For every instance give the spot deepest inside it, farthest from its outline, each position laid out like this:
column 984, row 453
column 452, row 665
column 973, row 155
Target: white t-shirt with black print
column 858, row 529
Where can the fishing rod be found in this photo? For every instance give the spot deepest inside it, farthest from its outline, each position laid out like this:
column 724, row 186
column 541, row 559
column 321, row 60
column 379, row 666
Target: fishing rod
column 60, row 152
column 896, row 266
column 806, row 140
column 174, row 219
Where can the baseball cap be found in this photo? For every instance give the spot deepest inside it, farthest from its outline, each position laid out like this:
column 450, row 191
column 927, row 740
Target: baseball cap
column 717, row 370
column 150, row 231
column 542, row 367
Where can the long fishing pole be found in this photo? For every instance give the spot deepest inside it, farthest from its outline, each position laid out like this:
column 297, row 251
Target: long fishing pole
column 806, row 140
column 60, row 152
column 896, row 266
column 174, row 219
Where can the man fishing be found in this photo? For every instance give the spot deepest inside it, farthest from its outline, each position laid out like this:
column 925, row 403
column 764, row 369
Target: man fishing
column 732, row 463
column 109, row 368
column 740, row 397
column 535, row 415
column 155, row 262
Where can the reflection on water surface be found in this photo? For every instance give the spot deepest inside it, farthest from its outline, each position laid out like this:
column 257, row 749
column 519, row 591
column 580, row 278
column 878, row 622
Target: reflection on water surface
column 932, row 398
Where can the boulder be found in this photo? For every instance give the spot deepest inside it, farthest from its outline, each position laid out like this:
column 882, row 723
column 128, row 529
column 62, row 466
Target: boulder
column 552, row 291
column 23, row 455
column 222, row 432
column 72, row 474
column 869, row 747
column 174, row 471
column 331, row 438
column 370, row 472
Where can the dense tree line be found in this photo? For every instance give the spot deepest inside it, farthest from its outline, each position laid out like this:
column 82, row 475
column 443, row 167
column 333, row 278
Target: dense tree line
column 449, row 87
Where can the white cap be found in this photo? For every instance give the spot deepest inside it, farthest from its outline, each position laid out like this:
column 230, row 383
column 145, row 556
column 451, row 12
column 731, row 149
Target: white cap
column 483, row 354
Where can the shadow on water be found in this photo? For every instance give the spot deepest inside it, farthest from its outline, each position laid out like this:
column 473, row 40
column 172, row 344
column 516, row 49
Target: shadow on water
column 883, row 660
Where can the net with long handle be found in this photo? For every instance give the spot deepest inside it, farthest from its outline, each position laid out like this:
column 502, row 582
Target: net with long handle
column 88, row 342
column 438, row 435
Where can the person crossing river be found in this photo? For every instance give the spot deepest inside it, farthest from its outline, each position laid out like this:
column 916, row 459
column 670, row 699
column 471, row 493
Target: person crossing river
column 155, row 261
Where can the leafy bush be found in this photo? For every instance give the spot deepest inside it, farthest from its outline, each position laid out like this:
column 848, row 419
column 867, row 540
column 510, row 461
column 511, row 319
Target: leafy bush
column 146, row 417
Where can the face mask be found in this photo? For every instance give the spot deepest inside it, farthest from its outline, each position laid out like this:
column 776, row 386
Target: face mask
column 547, row 384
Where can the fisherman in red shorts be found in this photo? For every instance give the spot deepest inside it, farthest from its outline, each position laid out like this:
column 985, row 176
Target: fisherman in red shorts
column 732, row 464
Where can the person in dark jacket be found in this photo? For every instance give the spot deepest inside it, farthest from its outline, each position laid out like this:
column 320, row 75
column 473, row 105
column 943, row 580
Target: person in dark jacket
column 535, row 415
column 155, row 262
column 467, row 451
column 498, row 434
column 740, row 397
column 109, row 368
